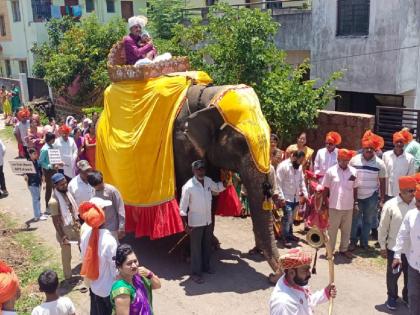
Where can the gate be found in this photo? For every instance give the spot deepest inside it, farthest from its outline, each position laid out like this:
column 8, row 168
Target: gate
column 391, row 119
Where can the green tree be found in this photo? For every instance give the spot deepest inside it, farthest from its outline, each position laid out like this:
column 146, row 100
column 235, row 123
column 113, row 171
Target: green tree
column 237, row 45
column 77, row 51
column 163, row 15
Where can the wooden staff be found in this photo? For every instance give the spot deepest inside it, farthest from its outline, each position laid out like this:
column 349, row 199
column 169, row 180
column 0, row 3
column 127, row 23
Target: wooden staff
column 330, row 258
column 178, row 243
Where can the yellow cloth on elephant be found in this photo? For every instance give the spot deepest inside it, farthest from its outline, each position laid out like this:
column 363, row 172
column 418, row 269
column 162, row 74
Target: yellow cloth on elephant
column 134, row 138
column 240, row 108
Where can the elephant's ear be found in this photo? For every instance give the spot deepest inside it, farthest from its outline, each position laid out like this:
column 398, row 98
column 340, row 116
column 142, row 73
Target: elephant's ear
column 202, row 128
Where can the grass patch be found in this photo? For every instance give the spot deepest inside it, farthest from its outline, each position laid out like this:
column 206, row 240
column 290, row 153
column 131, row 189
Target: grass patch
column 29, row 258
column 7, row 133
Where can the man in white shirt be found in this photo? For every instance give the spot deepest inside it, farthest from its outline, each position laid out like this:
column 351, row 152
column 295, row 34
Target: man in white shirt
column 292, row 189
column 340, row 185
column 68, row 151
column 98, row 265
column 393, row 212
column 195, row 210
column 371, row 175
column 292, row 295
column 79, row 187
column 398, row 163
column 408, row 242
column 327, row 157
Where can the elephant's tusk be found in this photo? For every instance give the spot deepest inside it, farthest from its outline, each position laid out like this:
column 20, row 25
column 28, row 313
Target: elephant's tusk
column 223, row 126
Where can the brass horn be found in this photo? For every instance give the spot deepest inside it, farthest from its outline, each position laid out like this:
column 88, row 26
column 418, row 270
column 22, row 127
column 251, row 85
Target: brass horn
column 315, row 237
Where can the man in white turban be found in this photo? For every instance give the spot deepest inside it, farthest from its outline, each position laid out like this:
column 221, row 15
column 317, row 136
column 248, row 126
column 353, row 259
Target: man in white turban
column 133, row 51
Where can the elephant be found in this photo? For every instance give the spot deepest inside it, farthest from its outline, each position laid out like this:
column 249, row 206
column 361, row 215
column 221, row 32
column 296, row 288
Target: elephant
column 200, row 133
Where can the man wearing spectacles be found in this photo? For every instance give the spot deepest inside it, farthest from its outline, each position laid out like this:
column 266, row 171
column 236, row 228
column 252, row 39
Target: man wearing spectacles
column 393, row 212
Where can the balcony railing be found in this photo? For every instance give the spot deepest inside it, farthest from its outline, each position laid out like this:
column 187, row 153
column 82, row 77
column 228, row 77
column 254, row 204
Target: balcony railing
column 275, row 6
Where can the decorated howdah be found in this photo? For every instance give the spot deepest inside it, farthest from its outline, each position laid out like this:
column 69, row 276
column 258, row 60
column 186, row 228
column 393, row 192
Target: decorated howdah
column 119, row 70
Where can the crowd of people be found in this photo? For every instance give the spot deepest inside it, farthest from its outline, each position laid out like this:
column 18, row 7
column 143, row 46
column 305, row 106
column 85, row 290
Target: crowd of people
column 363, row 194
column 86, row 213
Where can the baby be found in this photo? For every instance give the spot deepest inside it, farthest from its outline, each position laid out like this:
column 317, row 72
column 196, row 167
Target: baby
column 144, row 40
column 151, row 56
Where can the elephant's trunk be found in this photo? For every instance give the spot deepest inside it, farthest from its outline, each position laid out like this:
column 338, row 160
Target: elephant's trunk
column 262, row 220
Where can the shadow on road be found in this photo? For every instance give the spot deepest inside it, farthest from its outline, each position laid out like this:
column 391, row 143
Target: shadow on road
column 233, row 272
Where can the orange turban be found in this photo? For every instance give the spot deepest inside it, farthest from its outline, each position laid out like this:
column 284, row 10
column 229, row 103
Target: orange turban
column 344, row 154
column 333, row 137
column 93, row 216
column 9, row 283
column 23, row 113
column 403, row 136
column 407, row 182
column 371, row 140
column 417, row 177
column 295, row 258
column 64, row 129
column 417, row 195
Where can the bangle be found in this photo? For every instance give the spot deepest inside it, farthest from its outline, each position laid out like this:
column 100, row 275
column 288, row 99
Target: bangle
column 150, row 275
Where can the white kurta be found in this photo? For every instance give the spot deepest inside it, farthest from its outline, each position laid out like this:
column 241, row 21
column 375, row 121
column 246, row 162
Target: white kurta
column 408, row 239
column 286, row 300
column 324, row 160
column 68, row 152
column 397, row 166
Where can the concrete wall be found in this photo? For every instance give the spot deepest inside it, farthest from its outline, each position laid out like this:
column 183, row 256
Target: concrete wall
column 383, row 62
column 295, row 30
column 351, row 127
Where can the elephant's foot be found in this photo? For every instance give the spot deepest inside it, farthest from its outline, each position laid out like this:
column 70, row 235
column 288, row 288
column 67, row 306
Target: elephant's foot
column 274, row 277
column 255, row 251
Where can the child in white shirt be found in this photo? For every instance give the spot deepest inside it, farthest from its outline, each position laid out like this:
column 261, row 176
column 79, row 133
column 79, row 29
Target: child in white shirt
column 54, row 304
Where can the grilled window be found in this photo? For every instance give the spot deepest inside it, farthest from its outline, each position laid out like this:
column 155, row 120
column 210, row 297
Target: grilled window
column 23, row 67
column 2, row 26
column 90, row 6
column 353, row 17
column 41, row 10
column 16, row 11
column 110, row 6
column 8, row 68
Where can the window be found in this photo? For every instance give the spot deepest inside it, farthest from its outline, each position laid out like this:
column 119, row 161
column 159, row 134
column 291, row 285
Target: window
column 41, row 10
column 353, row 17
column 16, row 11
column 2, row 26
column 8, row 68
column 90, row 6
column 110, row 6
column 127, row 10
column 23, row 67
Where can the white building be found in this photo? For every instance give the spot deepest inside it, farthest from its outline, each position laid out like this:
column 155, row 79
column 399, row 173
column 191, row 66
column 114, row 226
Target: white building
column 22, row 24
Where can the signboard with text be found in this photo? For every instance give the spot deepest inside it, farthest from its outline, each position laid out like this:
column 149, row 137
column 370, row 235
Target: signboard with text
column 22, row 167
column 54, row 156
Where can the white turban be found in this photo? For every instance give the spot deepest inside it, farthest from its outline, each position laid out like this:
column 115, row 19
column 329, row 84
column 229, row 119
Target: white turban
column 137, row 20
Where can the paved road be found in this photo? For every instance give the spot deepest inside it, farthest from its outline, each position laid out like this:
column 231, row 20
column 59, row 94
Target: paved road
column 239, row 286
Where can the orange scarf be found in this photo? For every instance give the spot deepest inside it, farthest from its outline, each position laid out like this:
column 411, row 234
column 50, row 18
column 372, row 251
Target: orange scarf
column 94, row 217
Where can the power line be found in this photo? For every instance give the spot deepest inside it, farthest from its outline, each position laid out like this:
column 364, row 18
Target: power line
column 364, row 54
